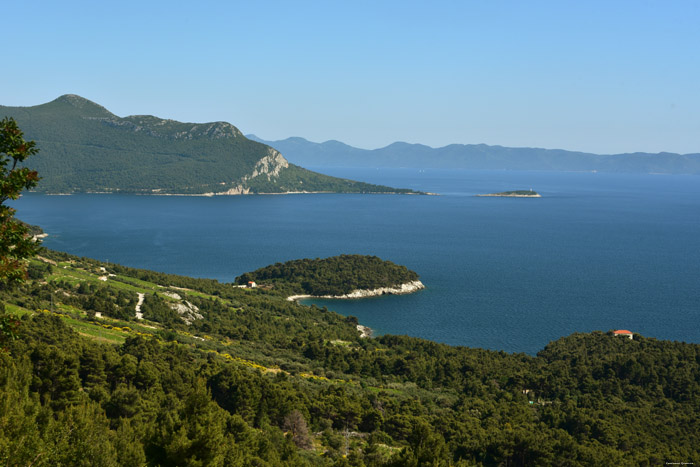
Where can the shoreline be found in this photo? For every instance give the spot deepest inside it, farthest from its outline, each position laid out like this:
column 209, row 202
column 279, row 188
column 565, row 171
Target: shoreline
column 365, row 331
column 403, row 289
column 212, row 194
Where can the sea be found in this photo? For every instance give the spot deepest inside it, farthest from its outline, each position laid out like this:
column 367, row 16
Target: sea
column 597, row 252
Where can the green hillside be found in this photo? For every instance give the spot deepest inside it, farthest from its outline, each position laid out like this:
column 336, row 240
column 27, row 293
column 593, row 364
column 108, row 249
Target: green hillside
column 338, row 275
column 257, row 380
column 86, row 148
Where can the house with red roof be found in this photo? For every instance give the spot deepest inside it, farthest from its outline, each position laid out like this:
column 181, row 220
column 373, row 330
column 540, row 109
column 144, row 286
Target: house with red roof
column 623, row 332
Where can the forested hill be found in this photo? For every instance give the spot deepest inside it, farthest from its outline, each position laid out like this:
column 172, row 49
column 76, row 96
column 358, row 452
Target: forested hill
column 338, row 275
column 254, row 379
column 479, row 156
column 86, row 148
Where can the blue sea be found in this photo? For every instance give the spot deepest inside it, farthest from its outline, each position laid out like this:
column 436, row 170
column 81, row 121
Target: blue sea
column 596, row 252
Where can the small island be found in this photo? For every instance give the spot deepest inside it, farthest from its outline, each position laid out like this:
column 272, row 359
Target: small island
column 344, row 276
column 516, row 194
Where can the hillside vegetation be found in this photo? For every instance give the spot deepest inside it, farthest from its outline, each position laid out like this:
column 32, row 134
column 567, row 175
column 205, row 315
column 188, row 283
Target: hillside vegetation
column 258, row 380
column 338, row 275
column 86, row 148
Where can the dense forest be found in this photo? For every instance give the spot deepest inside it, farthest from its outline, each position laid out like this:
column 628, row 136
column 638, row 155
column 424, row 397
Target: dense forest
column 338, row 275
column 257, row 380
column 86, row 148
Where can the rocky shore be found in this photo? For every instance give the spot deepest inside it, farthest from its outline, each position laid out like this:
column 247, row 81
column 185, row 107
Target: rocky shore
column 408, row 287
column 365, row 332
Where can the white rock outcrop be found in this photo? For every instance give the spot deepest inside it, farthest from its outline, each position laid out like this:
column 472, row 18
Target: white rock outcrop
column 365, row 332
column 237, row 190
column 270, row 165
column 408, row 287
column 187, row 311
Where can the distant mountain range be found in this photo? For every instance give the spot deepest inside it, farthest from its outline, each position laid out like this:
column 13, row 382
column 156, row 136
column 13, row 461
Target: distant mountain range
column 479, row 156
column 85, row 148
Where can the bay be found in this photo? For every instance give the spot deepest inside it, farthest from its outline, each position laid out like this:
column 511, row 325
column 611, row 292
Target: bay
column 596, row 252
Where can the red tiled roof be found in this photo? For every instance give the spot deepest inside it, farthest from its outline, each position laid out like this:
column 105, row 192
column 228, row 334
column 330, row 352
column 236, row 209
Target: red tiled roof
column 622, row 331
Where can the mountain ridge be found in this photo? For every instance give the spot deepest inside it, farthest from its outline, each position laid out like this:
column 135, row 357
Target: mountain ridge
column 86, row 148
column 479, row 156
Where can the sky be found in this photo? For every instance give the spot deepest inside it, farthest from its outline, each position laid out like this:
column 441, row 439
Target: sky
column 596, row 76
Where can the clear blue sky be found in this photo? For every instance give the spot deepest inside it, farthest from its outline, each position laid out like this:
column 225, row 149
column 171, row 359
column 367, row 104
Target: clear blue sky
column 599, row 76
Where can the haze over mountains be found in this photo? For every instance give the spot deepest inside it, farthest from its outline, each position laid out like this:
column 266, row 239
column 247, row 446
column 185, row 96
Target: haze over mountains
column 479, row 156
column 83, row 147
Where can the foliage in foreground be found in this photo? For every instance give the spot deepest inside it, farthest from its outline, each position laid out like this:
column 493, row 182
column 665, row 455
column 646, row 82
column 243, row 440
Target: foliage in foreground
column 16, row 244
column 259, row 380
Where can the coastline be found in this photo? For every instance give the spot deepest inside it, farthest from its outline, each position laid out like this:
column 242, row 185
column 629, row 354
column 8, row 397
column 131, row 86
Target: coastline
column 366, row 332
column 224, row 193
column 403, row 289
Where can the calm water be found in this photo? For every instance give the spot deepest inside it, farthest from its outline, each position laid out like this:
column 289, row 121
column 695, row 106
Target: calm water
column 597, row 252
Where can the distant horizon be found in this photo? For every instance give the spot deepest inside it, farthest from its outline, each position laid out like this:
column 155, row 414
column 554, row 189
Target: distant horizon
column 248, row 135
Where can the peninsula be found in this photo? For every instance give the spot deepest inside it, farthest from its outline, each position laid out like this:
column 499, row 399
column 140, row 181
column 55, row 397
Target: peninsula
column 343, row 277
column 515, row 194
column 85, row 148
